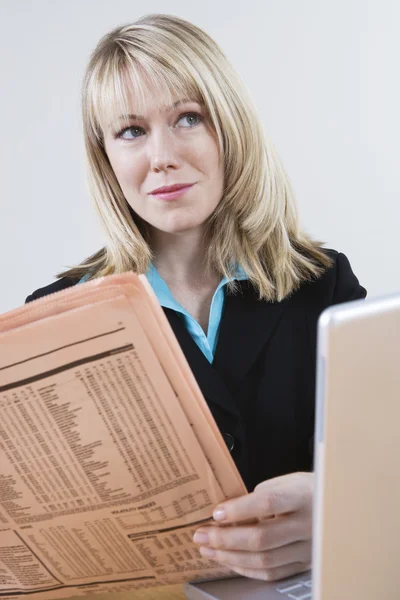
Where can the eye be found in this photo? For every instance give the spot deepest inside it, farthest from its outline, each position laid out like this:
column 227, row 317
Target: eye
column 133, row 129
column 190, row 117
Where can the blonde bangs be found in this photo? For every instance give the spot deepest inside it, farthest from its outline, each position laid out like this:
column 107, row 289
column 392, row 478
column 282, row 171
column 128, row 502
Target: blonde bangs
column 125, row 82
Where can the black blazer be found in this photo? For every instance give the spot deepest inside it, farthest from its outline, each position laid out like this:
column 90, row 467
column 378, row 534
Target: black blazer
column 261, row 385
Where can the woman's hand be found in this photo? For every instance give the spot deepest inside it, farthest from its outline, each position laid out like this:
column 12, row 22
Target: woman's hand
column 278, row 543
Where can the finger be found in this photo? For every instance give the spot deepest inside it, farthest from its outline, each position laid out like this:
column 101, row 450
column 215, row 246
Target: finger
column 273, row 574
column 278, row 496
column 266, row 535
column 271, row 559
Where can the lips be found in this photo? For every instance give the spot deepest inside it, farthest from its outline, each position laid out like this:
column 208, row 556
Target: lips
column 171, row 188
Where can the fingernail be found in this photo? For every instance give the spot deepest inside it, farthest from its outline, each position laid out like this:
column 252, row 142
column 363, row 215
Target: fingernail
column 207, row 552
column 200, row 537
column 219, row 514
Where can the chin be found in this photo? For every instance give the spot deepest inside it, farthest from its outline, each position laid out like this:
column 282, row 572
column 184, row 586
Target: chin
column 178, row 227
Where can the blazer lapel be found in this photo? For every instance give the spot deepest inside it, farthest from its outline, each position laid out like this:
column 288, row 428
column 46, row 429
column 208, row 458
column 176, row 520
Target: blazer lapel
column 210, row 382
column 246, row 325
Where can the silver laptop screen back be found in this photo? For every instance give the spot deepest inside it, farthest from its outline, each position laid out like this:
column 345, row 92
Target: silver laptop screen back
column 357, row 448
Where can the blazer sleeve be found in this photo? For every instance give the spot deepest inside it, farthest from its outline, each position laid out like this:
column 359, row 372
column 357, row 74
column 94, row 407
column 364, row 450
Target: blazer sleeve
column 56, row 286
column 347, row 286
column 30, row 298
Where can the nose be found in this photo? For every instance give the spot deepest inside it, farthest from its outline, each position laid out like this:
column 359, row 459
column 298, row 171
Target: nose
column 163, row 154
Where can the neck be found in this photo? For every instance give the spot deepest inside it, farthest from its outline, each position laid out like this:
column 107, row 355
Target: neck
column 180, row 257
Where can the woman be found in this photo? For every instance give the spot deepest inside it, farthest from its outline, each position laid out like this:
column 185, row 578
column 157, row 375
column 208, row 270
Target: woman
column 191, row 193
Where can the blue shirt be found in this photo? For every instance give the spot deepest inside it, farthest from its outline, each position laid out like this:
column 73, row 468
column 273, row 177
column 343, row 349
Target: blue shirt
column 206, row 342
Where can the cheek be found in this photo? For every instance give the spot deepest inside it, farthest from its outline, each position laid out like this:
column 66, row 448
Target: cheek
column 128, row 170
column 215, row 171
column 123, row 169
column 205, row 157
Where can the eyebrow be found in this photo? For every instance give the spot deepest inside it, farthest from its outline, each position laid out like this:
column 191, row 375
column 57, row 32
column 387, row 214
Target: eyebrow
column 141, row 117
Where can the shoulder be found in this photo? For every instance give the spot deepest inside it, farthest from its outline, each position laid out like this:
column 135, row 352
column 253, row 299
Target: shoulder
column 56, row 286
column 338, row 283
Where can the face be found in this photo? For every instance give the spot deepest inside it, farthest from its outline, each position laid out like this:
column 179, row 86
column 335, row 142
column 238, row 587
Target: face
column 167, row 146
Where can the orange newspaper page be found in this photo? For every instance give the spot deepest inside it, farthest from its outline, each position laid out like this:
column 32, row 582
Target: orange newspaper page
column 168, row 351
column 103, row 479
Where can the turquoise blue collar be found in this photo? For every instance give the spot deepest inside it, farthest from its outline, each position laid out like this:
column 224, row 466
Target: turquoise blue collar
column 164, row 295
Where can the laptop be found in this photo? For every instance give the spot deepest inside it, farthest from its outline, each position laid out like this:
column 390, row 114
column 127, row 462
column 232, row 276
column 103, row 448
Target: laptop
column 356, row 516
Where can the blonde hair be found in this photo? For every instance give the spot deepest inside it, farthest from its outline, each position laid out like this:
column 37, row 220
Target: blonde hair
column 255, row 223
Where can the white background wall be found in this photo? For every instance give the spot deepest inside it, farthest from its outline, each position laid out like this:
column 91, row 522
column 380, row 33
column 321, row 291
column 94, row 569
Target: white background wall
column 323, row 74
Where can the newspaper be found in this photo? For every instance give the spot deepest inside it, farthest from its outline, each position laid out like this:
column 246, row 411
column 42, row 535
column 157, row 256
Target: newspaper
column 109, row 456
